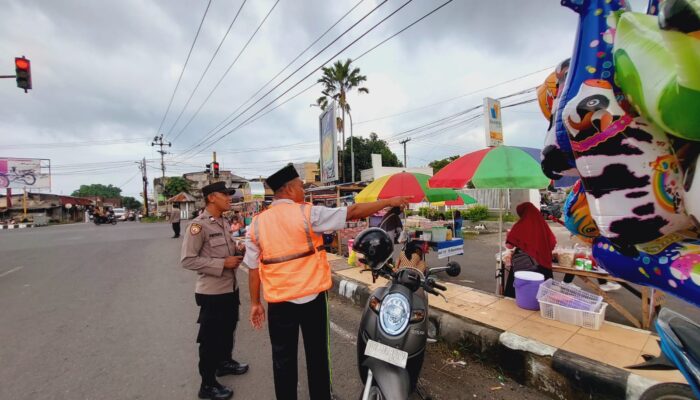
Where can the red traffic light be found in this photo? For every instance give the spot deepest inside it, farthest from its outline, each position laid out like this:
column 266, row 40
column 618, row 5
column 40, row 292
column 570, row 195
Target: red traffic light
column 22, row 63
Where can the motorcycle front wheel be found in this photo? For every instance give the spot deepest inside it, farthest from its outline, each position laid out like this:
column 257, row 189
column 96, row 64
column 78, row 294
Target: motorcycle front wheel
column 114, row 222
column 374, row 394
column 668, row 391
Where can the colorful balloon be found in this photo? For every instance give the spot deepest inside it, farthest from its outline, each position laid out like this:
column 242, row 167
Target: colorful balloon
column 630, row 175
column 670, row 263
column 577, row 214
column 657, row 68
column 546, row 93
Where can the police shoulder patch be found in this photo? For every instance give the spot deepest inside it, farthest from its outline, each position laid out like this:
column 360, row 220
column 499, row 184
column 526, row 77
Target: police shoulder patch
column 195, row 229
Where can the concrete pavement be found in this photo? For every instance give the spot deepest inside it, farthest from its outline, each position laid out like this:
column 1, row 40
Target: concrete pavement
column 105, row 312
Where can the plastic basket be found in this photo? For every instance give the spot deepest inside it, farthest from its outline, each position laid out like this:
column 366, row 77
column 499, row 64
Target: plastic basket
column 569, row 304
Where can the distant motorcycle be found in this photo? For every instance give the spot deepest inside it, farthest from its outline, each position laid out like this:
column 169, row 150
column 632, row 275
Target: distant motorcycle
column 550, row 210
column 101, row 219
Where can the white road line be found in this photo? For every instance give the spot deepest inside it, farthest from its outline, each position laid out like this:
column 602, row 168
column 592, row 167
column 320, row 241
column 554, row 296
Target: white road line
column 342, row 332
column 10, row 271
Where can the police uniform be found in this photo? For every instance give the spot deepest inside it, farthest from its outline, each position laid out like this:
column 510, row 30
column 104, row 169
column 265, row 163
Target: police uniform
column 295, row 276
column 205, row 247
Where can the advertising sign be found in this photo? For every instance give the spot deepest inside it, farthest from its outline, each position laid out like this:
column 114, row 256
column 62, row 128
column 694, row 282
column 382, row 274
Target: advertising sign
column 329, row 145
column 20, row 173
column 492, row 123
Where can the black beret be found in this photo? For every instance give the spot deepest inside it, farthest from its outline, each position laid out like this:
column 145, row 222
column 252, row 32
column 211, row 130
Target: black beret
column 215, row 187
column 279, row 178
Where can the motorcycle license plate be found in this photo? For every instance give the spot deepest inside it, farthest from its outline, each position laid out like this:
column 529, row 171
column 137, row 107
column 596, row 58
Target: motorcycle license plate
column 386, row 353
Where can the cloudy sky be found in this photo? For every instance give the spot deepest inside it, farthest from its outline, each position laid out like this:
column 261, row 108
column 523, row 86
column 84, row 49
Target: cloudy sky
column 104, row 72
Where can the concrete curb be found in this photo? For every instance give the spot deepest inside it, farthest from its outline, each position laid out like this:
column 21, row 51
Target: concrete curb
column 16, row 226
column 560, row 373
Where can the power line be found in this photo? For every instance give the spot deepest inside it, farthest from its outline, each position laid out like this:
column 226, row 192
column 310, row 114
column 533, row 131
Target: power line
column 225, row 73
column 220, row 127
column 170, row 103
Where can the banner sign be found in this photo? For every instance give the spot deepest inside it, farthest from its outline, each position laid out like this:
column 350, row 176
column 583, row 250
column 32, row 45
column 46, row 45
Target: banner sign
column 20, row 173
column 492, row 123
column 329, row 145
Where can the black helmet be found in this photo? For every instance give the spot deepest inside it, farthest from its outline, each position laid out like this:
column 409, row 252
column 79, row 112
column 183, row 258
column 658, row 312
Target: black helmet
column 375, row 245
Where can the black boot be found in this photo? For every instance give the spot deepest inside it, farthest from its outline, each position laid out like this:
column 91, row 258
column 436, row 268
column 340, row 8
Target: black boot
column 232, row 367
column 216, row 391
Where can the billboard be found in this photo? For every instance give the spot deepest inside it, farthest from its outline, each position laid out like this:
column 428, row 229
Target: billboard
column 20, row 173
column 492, row 123
column 329, row 145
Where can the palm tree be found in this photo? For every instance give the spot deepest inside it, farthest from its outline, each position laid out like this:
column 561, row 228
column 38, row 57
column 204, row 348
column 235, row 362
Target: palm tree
column 338, row 80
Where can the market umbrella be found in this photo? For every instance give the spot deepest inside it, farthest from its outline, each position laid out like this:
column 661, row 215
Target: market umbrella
column 404, row 184
column 461, row 200
column 501, row 167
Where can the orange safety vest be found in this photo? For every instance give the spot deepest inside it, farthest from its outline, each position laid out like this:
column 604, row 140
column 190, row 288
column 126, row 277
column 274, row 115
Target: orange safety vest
column 293, row 261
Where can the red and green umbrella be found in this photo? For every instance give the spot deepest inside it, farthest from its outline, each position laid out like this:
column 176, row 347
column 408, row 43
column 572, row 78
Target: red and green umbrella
column 404, row 184
column 502, row 167
column 462, row 199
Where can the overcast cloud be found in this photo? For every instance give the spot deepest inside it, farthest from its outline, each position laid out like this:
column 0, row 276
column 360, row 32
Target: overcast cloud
column 105, row 70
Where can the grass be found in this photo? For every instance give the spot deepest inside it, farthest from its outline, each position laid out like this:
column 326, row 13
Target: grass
column 151, row 220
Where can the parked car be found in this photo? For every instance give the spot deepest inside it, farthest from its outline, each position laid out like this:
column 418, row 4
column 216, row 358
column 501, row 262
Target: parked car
column 120, row 214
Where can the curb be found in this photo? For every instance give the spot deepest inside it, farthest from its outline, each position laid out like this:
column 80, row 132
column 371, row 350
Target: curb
column 16, row 226
column 559, row 373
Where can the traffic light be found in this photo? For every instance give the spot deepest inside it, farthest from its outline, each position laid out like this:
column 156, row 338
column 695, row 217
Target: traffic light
column 23, row 71
column 216, row 169
column 208, row 170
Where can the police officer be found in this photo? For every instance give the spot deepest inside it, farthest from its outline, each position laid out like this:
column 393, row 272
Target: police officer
column 209, row 250
column 285, row 252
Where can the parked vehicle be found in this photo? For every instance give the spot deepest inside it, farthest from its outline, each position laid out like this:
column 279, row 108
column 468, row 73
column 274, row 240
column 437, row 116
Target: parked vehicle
column 550, row 210
column 120, row 214
column 679, row 339
column 393, row 333
column 104, row 219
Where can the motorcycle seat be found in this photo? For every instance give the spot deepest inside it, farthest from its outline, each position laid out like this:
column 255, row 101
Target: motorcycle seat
column 689, row 334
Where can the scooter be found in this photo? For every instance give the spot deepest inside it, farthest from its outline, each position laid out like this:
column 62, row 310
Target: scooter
column 679, row 339
column 393, row 333
column 100, row 219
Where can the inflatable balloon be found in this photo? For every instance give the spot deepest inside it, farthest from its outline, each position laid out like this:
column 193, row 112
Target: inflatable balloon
column 577, row 214
column 653, row 7
column 592, row 57
column 688, row 152
column 670, row 263
column 546, row 93
column 630, row 175
column 658, row 68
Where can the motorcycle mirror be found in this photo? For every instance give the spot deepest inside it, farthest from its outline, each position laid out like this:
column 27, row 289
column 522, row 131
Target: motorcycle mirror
column 454, row 269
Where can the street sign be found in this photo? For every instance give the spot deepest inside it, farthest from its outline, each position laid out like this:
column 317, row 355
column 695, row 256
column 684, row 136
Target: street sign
column 492, row 122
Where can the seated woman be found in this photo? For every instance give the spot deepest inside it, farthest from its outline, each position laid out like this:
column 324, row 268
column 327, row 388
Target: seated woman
column 412, row 257
column 532, row 242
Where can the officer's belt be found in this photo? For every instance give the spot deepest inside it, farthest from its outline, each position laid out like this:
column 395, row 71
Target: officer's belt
column 277, row 260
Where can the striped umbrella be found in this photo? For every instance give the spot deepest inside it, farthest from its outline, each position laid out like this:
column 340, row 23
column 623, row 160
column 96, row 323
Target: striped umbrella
column 404, row 184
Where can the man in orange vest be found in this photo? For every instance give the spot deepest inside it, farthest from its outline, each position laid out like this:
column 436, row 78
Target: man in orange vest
column 285, row 252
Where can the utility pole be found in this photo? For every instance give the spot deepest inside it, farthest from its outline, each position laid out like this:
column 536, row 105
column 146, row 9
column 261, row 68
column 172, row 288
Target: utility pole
column 403, row 142
column 158, row 141
column 142, row 167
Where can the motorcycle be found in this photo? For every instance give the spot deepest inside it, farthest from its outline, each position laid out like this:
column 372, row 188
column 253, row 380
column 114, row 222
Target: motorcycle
column 102, row 219
column 393, row 332
column 679, row 339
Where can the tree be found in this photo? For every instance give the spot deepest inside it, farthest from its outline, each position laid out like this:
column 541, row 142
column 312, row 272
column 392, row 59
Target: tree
column 131, row 203
column 175, row 185
column 98, row 189
column 338, row 80
column 437, row 165
column 364, row 148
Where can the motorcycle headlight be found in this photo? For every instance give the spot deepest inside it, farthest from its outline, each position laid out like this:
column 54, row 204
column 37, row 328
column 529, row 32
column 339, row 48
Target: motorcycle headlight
column 394, row 314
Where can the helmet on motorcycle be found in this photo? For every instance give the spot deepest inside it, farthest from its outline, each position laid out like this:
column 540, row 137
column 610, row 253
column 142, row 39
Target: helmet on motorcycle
column 375, row 245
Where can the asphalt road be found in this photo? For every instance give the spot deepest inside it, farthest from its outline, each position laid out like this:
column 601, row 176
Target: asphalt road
column 105, row 312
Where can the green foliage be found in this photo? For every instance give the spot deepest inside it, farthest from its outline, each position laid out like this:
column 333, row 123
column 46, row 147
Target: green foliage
column 175, row 185
column 98, row 189
column 152, row 219
column 437, row 165
column 476, row 213
column 131, row 203
column 338, row 80
column 363, row 149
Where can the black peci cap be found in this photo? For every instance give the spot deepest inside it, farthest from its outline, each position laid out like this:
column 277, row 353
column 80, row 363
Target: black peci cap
column 215, row 187
column 279, row 178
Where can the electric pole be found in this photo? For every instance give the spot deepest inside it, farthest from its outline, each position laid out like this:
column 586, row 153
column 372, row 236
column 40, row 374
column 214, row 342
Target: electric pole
column 403, row 142
column 158, row 141
column 142, row 167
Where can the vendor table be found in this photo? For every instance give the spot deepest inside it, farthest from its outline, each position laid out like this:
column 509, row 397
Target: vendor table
column 652, row 299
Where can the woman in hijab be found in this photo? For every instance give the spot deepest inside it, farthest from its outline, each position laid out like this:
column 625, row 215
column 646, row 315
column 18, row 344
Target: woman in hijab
column 533, row 243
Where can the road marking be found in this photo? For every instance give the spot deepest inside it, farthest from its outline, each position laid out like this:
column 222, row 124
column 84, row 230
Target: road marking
column 10, row 271
column 342, row 332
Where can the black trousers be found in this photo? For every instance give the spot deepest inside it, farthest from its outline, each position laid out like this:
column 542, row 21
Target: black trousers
column 176, row 228
column 218, row 317
column 285, row 319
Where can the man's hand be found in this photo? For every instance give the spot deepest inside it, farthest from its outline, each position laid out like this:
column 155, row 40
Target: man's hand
column 257, row 315
column 232, row 262
column 400, row 201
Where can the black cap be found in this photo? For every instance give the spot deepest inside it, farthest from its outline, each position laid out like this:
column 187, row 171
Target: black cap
column 215, row 187
column 279, row 178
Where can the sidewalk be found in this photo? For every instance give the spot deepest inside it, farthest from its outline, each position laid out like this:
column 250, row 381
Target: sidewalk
column 561, row 359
